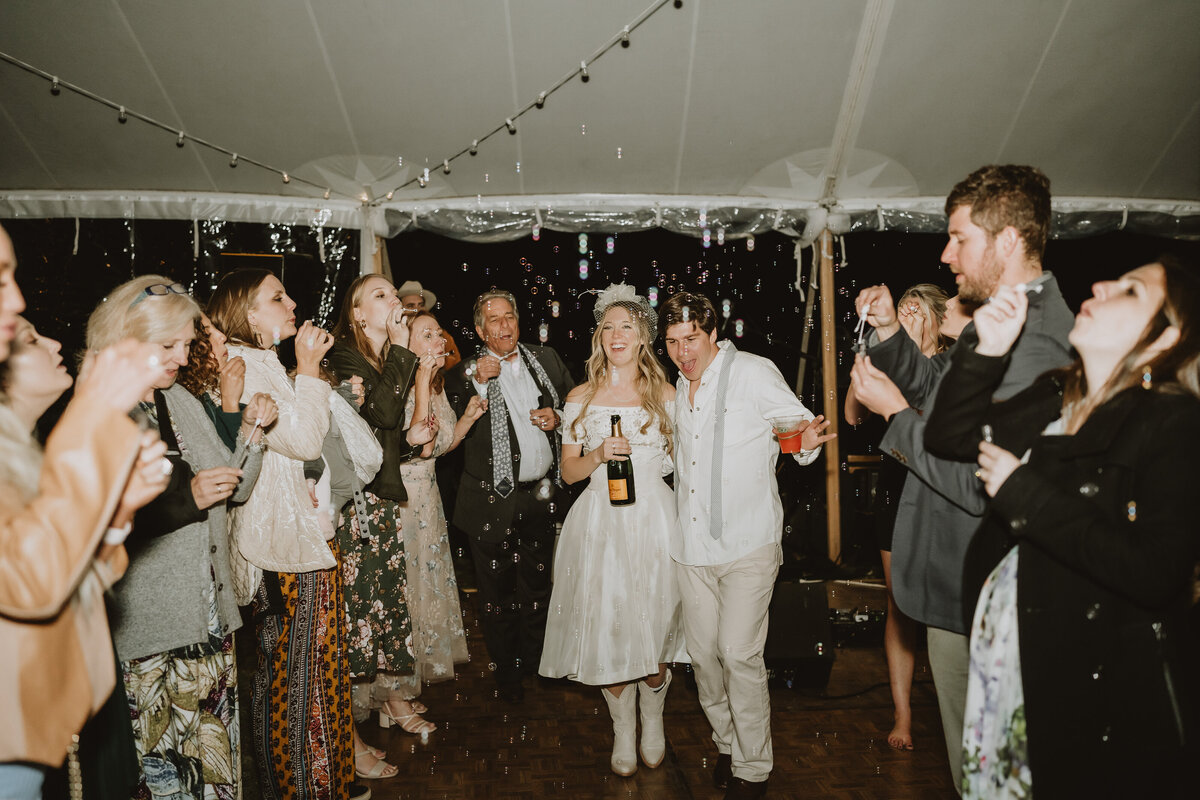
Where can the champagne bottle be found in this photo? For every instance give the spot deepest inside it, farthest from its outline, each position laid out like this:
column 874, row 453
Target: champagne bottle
column 620, row 474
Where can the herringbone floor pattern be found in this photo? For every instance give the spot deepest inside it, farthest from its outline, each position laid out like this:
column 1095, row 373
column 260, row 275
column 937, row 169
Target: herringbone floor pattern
column 557, row 744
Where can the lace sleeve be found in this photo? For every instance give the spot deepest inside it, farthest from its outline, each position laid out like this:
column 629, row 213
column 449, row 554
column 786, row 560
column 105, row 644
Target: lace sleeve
column 570, row 413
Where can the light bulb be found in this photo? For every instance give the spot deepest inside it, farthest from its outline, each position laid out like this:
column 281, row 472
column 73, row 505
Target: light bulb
column 583, row 73
column 287, row 178
column 122, row 115
column 474, row 147
column 446, row 166
column 54, row 88
column 625, row 37
column 512, row 126
column 179, row 141
column 233, row 161
column 541, row 101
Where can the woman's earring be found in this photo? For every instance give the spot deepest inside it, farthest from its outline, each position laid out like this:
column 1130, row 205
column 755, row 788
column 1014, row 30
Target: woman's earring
column 362, row 323
column 1146, row 378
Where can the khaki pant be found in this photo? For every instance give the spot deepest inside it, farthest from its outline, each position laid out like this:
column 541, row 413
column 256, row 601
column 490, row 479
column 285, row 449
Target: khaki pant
column 725, row 623
column 949, row 660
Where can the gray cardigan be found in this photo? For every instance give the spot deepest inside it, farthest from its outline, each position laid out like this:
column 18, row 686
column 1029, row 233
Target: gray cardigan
column 162, row 602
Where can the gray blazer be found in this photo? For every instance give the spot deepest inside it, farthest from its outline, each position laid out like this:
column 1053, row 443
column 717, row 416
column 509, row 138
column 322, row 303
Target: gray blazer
column 942, row 501
column 162, row 602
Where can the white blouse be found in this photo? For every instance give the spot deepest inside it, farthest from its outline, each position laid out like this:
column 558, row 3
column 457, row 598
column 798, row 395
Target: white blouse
column 278, row 529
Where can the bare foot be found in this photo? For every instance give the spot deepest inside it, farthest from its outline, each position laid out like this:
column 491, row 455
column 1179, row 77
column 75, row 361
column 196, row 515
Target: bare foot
column 901, row 737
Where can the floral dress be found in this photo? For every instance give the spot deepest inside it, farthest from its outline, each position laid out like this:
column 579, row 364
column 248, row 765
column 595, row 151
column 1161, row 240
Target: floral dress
column 995, row 742
column 375, row 578
column 439, row 641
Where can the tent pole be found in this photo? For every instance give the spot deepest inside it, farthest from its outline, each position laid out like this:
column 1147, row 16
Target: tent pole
column 833, row 500
column 808, row 315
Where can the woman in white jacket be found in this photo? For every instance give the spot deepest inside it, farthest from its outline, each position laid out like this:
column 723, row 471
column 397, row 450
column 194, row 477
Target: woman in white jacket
column 281, row 555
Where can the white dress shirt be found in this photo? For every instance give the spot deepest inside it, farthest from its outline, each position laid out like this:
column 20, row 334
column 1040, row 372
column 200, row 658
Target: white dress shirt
column 521, row 394
column 751, row 511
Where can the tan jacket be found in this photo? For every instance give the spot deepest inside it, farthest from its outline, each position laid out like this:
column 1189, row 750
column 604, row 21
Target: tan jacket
column 56, row 657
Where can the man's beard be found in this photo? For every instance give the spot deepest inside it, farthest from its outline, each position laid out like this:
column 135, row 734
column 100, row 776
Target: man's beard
column 978, row 288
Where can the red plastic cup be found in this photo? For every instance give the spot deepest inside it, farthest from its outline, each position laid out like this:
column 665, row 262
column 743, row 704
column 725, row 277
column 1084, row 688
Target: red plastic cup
column 788, row 430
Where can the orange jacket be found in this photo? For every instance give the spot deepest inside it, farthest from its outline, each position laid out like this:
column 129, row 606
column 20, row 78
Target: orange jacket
column 56, row 657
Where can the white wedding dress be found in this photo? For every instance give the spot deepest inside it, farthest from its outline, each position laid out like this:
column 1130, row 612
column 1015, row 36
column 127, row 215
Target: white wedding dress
column 615, row 613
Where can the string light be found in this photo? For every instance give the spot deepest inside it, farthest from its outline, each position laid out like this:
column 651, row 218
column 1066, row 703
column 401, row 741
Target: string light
column 622, row 38
column 445, row 167
column 124, row 113
column 233, row 161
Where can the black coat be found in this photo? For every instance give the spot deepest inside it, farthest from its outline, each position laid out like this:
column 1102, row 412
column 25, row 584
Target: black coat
column 1107, row 533
column 479, row 510
column 385, row 396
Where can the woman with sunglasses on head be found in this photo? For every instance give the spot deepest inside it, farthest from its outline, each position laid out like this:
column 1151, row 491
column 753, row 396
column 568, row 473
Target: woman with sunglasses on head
column 1084, row 675
column 175, row 612
column 288, row 568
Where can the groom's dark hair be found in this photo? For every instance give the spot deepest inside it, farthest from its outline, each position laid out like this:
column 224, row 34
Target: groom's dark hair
column 687, row 307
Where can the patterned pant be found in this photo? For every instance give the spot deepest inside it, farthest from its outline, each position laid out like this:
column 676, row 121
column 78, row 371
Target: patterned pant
column 303, row 735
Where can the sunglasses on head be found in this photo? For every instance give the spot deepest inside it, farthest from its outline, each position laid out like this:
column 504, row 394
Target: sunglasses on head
column 159, row 290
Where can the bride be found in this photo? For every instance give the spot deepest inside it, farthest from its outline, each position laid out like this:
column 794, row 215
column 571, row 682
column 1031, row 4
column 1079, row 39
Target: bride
column 614, row 616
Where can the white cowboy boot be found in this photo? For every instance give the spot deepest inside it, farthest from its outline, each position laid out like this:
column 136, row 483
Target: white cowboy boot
column 624, row 716
column 654, row 741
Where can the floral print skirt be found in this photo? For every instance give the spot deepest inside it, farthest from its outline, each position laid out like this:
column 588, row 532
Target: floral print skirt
column 184, row 711
column 374, row 573
column 995, row 743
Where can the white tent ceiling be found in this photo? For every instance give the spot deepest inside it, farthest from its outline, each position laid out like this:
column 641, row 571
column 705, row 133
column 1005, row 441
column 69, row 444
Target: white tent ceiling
column 759, row 113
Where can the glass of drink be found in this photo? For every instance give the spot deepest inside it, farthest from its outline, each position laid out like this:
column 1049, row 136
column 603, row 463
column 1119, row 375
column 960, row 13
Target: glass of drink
column 788, row 430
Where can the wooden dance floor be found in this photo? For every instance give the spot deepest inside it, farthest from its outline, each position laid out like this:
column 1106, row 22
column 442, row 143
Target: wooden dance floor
column 557, row 744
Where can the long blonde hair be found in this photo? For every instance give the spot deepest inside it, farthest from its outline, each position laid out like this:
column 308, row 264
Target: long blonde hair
column 650, row 380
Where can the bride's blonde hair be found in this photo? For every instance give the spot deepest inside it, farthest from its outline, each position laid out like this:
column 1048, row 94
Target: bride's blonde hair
column 650, row 379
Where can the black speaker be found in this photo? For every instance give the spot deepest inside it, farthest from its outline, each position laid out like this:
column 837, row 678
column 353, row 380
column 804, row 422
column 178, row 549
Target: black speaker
column 799, row 647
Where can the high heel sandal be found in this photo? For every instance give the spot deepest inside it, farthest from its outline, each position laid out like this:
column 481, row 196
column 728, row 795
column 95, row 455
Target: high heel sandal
column 381, row 768
column 409, row 723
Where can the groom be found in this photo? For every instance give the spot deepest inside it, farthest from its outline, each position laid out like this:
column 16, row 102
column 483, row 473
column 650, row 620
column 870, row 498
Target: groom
column 727, row 550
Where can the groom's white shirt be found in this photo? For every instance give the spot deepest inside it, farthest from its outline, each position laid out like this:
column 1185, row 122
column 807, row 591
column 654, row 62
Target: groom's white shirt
column 752, row 514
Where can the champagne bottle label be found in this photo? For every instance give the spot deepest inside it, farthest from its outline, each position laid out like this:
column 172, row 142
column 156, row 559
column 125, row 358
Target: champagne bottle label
column 618, row 490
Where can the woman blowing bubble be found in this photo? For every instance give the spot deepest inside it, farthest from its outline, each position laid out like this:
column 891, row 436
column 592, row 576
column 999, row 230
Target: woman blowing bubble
column 1083, row 673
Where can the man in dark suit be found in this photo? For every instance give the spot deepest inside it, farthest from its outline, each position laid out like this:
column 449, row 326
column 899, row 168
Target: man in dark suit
column 510, row 469
column 999, row 220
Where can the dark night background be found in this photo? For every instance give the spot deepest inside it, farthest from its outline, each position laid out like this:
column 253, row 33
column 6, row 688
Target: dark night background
column 62, row 286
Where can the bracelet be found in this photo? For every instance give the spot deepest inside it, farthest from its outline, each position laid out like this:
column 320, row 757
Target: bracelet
column 115, row 536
